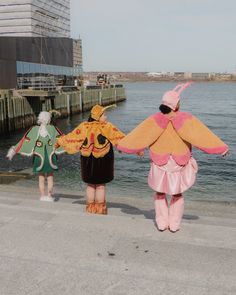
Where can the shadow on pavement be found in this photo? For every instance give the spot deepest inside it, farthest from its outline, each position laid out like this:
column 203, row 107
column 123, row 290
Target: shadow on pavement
column 68, row 196
column 125, row 208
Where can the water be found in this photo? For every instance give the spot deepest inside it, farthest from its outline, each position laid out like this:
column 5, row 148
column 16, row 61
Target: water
column 213, row 103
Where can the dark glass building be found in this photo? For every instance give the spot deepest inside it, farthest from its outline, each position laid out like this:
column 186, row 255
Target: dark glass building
column 37, row 62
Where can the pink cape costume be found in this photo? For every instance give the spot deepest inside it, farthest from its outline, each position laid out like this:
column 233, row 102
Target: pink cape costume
column 170, row 140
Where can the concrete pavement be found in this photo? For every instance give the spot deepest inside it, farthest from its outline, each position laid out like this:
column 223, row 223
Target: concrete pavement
column 56, row 248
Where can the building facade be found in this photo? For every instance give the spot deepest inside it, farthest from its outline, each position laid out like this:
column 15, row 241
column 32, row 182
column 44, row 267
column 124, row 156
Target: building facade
column 35, row 18
column 28, row 61
column 36, row 50
column 77, row 53
column 201, row 76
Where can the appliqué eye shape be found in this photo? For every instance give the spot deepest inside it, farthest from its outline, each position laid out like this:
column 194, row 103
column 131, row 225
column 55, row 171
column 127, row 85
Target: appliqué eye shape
column 85, row 141
column 39, row 143
column 101, row 139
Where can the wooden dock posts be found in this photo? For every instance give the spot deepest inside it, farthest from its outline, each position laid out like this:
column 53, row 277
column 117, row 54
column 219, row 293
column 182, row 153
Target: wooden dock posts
column 19, row 109
column 15, row 112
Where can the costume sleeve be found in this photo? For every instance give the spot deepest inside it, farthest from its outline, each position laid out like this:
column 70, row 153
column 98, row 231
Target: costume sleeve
column 73, row 141
column 112, row 133
column 58, row 133
column 144, row 135
column 26, row 145
column 199, row 135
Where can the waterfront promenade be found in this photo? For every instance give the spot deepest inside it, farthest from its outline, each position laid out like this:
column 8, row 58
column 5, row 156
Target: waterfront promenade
column 56, row 248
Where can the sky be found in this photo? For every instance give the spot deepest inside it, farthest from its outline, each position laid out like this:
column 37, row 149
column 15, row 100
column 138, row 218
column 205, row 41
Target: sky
column 156, row 35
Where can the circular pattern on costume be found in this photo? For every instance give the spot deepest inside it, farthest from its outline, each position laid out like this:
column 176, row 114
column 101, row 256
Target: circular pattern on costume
column 50, row 142
column 39, row 143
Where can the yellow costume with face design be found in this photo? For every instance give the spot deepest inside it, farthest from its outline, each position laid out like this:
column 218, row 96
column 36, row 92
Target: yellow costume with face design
column 91, row 138
column 94, row 140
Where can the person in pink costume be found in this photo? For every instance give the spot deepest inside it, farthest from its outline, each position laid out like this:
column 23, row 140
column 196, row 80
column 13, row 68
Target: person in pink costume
column 169, row 135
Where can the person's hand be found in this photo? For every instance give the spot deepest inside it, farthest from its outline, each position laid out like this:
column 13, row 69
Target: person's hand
column 11, row 153
column 140, row 154
column 119, row 151
column 56, row 145
column 226, row 153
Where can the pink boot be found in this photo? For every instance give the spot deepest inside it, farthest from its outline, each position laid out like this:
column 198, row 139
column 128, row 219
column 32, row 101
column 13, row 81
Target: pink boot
column 161, row 208
column 176, row 212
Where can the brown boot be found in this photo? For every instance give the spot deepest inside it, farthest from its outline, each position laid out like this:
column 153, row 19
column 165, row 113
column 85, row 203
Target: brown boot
column 91, row 208
column 101, row 208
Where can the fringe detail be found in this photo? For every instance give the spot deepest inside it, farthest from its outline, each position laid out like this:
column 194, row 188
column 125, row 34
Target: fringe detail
column 97, row 208
column 90, row 208
column 101, row 208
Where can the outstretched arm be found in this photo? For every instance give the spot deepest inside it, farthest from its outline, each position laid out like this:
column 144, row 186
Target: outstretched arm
column 26, row 145
column 144, row 135
column 57, row 134
column 112, row 133
column 200, row 136
column 73, row 141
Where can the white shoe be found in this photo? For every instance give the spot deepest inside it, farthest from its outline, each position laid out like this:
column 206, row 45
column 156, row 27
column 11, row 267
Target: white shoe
column 47, row 199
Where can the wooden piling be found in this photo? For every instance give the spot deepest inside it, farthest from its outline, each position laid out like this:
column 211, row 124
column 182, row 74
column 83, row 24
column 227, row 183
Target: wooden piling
column 19, row 109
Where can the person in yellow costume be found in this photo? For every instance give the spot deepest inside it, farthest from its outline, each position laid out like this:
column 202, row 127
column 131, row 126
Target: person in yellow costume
column 169, row 135
column 94, row 140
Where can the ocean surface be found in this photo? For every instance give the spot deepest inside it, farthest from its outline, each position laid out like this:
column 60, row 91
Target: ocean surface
column 213, row 103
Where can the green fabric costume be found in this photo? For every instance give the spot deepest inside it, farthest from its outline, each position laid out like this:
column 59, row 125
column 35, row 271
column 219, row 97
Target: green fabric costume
column 41, row 148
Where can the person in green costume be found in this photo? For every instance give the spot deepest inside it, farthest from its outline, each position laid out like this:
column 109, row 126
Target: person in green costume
column 39, row 142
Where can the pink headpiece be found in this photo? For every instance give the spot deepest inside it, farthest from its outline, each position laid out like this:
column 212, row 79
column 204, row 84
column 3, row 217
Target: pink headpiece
column 172, row 97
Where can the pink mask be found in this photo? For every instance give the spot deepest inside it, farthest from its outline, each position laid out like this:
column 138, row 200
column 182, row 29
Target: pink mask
column 172, row 97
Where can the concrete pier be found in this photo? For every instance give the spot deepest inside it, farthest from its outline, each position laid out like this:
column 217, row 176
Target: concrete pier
column 18, row 109
column 56, row 248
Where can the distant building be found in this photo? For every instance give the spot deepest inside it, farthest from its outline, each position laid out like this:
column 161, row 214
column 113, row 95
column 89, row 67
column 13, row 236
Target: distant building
column 154, row 74
column 224, row 76
column 159, row 74
column 77, row 52
column 35, row 18
column 179, row 75
column 188, row 75
column 201, row 76
column 36, row 50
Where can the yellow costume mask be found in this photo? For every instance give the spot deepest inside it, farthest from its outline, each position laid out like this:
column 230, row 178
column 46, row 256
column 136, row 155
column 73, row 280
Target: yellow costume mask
column 98, row 110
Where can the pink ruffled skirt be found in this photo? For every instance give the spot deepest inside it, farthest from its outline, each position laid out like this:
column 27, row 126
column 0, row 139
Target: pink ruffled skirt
column 172, row 178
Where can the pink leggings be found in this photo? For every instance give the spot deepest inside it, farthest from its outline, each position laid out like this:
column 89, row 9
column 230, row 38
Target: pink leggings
column 169, row 217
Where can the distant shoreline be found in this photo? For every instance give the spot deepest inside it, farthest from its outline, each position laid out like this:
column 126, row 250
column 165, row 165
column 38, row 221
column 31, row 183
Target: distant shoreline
column 175, row 81
column 122, row 77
